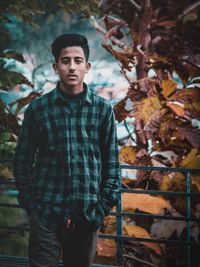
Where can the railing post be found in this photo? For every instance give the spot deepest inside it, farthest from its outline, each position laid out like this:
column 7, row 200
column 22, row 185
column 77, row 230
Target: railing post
column 119, row 228
column 188, row 205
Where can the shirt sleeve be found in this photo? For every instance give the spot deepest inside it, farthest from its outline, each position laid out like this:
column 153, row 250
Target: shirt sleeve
column 24, row 161
column 110, row 185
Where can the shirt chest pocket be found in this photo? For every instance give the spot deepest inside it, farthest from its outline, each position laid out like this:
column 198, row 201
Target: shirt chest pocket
column 88, row 134
column 54, row 135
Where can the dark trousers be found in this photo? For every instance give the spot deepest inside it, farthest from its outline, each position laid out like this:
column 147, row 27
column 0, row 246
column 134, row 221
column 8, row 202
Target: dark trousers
column 45, row 246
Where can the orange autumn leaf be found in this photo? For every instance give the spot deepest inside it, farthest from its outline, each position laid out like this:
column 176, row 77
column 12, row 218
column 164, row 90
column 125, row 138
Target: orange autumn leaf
column 139, row 232
column 144, row 203
column 106, row 247
column 128, row 154
column 169, row 87
column 178, row 110
column 167, row 23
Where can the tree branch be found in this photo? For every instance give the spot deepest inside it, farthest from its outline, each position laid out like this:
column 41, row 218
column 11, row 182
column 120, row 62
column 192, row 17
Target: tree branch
column 103, row 31
column 137, row 259
column 188, row 9
column 136, row 6
column 124, row 73
column 130, row 135
column 6, row 108
column 191, row 63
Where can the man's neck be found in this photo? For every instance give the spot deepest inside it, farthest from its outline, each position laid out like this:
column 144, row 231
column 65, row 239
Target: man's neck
column 71, row 89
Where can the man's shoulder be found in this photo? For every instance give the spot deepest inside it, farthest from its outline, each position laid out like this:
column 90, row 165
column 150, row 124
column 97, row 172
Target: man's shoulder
column 42, row 100
column 99, row 100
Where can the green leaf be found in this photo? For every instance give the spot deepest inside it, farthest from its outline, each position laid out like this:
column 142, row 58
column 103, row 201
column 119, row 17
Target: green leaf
column 4, row 137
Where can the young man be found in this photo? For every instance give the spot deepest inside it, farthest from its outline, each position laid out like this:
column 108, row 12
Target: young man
column 66, row 164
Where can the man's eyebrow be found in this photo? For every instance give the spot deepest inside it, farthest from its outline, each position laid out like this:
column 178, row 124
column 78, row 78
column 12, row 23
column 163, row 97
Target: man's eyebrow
column 77, row 57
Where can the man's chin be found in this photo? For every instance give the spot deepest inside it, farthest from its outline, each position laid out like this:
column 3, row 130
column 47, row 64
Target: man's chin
column 71, row 83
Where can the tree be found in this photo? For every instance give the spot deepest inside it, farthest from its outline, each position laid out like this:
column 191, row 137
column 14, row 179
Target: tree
column 161, row 39
column 157, row 47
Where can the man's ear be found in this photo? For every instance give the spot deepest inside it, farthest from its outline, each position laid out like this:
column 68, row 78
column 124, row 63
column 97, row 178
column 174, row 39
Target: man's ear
column 55, row 67
column 88, row 66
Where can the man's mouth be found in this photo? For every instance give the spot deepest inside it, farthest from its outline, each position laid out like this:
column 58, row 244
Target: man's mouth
column 72, row 76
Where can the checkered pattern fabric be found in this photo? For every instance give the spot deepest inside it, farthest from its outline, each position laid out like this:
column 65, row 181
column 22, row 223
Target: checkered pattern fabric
column 66, row 161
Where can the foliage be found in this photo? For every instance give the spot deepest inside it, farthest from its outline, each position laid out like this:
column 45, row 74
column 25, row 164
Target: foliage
column 161, row 39
column 87, row 8
column 156, row 45
column 11, row 242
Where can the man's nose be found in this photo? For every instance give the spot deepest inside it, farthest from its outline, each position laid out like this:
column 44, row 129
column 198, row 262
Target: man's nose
column 72, row 66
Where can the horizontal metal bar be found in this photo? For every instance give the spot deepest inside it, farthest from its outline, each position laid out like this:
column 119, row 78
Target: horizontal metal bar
column 153, row 168
column 154, row 240
column 117, row 237
column 155, row 216
column 156, row 192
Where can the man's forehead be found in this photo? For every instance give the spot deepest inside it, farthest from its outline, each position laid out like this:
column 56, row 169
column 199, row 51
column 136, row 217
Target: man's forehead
column 75, row 51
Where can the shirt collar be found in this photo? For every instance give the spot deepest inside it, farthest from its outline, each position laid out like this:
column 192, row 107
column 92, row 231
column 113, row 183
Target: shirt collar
column 57, row 96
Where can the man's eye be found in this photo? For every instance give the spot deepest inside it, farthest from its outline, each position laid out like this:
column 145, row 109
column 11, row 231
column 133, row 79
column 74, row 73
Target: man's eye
column 79, row 61
column 65, row 61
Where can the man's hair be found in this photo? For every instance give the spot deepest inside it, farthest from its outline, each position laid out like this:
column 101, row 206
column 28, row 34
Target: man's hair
column 68, row 40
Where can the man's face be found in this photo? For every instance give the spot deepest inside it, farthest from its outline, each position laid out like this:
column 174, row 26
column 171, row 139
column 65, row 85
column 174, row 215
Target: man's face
column 71, row 66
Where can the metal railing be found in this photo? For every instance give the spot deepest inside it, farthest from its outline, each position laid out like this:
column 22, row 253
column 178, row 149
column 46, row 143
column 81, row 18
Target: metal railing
column 119, row 237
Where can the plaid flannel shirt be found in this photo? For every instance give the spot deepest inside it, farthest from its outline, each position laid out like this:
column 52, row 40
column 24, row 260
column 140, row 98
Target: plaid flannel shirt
column 66, row 163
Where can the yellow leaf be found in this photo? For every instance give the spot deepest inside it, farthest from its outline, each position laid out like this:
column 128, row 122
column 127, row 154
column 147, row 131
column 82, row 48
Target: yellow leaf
column 176, row 182
column 195, row 180
column 135, row 231
column 110, row 224
column 6, row 172
column 148, row 107
column 156, row 58
column 169, row 87
column 143, row 202
column 139, row 232
column 165, row 183
column 128, row 154
column 196, row 105
column 192, row 160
